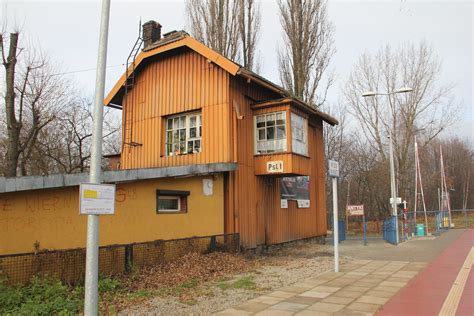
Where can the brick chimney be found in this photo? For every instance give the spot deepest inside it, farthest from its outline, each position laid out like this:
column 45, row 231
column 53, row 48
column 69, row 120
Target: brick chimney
column 151, row 33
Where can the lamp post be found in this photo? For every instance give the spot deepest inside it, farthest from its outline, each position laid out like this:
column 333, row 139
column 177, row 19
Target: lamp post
column 392, row 164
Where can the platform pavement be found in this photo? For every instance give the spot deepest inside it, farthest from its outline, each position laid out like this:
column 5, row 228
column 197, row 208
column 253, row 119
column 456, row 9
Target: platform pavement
column 362, row 287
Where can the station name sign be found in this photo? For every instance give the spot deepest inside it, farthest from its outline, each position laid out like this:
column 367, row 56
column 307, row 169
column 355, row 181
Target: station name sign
column 355, row 210
column 275, row 166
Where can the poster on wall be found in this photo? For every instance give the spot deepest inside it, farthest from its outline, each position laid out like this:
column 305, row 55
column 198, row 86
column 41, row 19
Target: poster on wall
column 283, row 203
column 303, row 203
column 294, row 188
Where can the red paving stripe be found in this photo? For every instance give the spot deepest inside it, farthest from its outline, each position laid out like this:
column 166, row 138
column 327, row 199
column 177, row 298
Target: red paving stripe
column 425, row 294
column 466, row 305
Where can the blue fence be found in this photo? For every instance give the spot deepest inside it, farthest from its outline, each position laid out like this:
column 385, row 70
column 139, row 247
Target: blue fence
column 389, row 230
column 342, row 231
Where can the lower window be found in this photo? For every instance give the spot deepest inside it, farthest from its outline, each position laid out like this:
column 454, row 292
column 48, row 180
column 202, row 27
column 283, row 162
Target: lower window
column 171, row 201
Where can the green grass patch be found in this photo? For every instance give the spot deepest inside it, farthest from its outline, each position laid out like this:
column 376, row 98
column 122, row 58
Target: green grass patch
column 244, row 283
column 41, row 296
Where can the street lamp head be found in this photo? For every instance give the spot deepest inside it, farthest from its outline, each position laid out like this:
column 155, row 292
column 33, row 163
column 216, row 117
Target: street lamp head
column 369, row 94
column 404, row 90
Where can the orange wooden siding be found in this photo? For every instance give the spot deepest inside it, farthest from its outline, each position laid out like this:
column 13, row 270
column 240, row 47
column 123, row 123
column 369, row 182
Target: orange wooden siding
column 253, row 205
column 173, row 84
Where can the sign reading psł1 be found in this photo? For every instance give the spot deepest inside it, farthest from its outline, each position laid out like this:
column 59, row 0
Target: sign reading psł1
column 96, row 199
column 333, row 168
column 275, row 166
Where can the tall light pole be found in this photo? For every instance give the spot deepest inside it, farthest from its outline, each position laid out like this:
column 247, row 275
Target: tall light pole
column 392, row 163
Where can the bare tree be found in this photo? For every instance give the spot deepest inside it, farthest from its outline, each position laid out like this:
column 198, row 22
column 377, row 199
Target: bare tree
column 249, row 27
column 230, row 27
column 424, row 112
column 308, row 49
column 32, row 96
column 214, row 22
column 65, row 146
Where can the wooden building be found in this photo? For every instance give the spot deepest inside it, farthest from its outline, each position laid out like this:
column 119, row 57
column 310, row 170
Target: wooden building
column 183, row 104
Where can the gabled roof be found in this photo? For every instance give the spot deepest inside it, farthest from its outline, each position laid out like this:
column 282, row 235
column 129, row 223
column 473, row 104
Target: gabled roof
column 179, row 39
column 182, row 39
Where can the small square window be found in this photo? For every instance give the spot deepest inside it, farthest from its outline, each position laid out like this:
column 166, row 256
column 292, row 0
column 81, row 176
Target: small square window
column 171, row 201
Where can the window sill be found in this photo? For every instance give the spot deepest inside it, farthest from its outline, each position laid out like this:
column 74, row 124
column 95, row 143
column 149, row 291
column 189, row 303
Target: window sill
column 281, row 153
column 179, row 155
column 170, row 212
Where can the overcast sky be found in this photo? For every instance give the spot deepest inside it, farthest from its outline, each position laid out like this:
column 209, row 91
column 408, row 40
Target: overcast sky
column 68, row 32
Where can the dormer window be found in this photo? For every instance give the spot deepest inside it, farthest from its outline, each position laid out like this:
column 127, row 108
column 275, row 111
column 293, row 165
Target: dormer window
column 183, row 134
column 270, row 131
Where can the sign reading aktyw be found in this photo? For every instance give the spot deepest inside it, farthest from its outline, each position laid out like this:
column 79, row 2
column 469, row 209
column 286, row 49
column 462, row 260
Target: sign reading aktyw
column 355, row 210
column 96, row 199
column 275, row 166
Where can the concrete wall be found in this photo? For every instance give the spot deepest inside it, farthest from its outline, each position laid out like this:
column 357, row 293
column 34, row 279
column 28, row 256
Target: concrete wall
column 51, row 217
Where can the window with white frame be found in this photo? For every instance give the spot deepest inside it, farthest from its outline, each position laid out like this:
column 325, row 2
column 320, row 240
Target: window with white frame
column 270, row 133
column 299, row 134
column 171, row 201
column 183, row 134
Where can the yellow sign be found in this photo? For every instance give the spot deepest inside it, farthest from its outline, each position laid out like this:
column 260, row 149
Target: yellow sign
column 90, row 194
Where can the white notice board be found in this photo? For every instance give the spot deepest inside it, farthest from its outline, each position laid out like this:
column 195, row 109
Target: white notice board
column 96, row 199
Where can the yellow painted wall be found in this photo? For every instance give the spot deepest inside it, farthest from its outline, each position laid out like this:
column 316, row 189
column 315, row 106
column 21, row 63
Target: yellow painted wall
column 52, row 218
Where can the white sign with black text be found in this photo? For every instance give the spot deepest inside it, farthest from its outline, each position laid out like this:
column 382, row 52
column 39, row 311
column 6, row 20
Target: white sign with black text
column 333, row 168
column 96, row 199
column 275, row 166
column 283, row 203
column 303, row 203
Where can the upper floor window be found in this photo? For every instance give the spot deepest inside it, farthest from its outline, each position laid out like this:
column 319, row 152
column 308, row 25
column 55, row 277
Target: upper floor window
column 183, row 134
column 270, row 131
column 299, row 134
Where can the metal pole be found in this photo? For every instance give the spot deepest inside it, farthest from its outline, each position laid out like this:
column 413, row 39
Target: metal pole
column 335, row 224
column 91, row 301
column 392, row 184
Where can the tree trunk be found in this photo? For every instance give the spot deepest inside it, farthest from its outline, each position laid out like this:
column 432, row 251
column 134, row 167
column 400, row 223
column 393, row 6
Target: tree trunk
column 13, row 126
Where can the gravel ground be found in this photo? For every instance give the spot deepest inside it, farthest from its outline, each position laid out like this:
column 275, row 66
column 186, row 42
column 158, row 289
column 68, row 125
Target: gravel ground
column 278, row 267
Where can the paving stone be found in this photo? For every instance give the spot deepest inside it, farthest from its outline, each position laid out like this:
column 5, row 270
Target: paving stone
column 232, row 312
column 337, row 300
column 382, row 294
column 297, row 288
column 303, row 300
column 361, row 261
column 326, row 307
column 398, row 279
column 339, row 283
column 281, row 294
column 330, row 275
column 252, row 307
column 368, row 283
column 372, row 300
column 290, row 307
column 393, row 284
column 390, row 289
column 314, row 281
column 361, row 273
column 363, row 307
column 274, row 312
column 269, row 300
column 323, row 288
column 403, row 273
column 347, row 312
column 355, row 288
column 315, row 294
column 313, row 313
column 346, row 293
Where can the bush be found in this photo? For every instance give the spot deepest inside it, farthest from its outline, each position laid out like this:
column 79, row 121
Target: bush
column 41, row 296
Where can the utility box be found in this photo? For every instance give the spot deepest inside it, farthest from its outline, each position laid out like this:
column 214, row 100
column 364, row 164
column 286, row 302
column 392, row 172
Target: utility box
column 420, row 229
